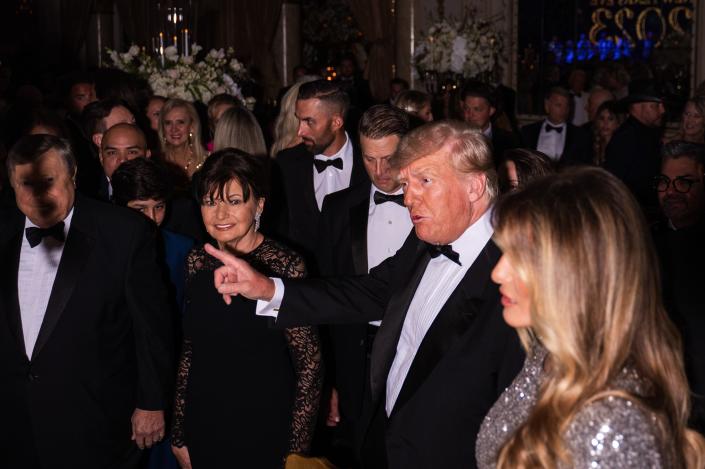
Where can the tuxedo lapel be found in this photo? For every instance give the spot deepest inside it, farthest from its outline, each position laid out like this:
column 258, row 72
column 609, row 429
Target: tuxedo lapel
column 11, row 262
column 358, row 174
column 76, row 252
column 385, row 344
column 447, row 330
column 358, row 235
column 307, row 181
column 568, row 140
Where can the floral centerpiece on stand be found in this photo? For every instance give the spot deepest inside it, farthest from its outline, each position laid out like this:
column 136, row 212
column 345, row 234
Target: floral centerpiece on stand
column 467, row 49
column 185, row 76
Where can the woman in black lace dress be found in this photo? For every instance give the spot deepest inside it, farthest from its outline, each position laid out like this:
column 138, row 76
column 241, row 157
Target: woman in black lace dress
column 246, row 394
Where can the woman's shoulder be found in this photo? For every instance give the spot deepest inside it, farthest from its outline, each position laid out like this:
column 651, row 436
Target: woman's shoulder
column 280, row 259
column 198, row 259
column 614, row 431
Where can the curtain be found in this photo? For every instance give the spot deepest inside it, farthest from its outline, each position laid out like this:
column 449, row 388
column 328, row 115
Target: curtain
column 136, row 16
column 377, row 24
column 249, row 26
column 75, row 17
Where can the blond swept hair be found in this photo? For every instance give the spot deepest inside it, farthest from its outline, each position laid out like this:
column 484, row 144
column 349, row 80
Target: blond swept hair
column 286, row 125
column 238, row 128
column 470, row 151
column 199, row 151
column 579, row 242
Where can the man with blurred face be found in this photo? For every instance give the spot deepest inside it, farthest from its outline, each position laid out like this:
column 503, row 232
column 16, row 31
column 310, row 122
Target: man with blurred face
column 85, row 341
column 555, row 136
column 633, row 153
column 360, row 227
column 442, row 354
column 477, row 101
column 326, row 161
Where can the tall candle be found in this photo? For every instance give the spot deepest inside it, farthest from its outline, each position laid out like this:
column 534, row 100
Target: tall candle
column 161, row 48
column 186, row 43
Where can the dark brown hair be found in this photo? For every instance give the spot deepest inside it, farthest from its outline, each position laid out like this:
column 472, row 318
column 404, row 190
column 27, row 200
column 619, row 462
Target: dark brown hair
column 231, row 164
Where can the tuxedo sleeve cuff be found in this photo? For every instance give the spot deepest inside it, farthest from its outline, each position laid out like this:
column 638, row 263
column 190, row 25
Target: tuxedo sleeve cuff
column 271, row 308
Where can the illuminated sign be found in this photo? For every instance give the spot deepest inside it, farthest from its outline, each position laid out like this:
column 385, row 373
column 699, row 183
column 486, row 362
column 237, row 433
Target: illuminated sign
column 635, row 21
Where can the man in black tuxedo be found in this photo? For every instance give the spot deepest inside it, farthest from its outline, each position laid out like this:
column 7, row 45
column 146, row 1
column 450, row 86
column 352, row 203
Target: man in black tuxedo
column 360, row 227
column 443, row 354
column 554, row 136
column 85, row 348
column 327, row 161
column 633, row 154
column 478, row 104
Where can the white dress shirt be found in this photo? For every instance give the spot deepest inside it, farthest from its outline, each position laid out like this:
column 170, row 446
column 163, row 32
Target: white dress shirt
column 551, row 142
column 333, row 179
column 488, row 131
column 35, row 279
column 388, row 225
column 438, row 282
column 580, row 115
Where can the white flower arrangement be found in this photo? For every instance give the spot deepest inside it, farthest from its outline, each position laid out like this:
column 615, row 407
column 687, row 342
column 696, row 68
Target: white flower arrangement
column 469, row 48
column 186, row 77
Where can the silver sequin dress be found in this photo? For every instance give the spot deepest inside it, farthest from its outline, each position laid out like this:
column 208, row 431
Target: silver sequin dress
column 609, row 433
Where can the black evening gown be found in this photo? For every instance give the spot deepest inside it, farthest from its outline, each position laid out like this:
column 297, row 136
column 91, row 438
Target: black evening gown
column 247, row 394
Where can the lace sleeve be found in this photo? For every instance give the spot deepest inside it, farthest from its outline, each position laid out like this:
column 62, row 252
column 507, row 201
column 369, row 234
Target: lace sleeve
column 305, row 350
column 177, row 428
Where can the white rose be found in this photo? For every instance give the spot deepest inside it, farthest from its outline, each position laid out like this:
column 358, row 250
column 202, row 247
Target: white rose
column 134, row 50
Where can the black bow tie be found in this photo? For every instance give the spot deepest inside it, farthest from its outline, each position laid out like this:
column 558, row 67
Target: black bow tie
column 436, row 250
column 381, row 198
column 35, row 234
column 549, row 127
column 321, row 165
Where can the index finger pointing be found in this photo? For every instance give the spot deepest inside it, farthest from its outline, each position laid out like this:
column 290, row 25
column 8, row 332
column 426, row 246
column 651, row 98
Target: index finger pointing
column 222, row 256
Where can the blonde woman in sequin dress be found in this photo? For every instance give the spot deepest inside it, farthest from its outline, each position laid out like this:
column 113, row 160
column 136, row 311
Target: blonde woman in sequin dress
column 180, row 136
column 603, row 384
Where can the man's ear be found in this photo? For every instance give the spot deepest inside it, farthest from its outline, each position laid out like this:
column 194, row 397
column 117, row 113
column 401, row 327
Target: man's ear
column 477, row 186
column 148, row 153
column 492, row 110
column 97, row 139
column 337, row 121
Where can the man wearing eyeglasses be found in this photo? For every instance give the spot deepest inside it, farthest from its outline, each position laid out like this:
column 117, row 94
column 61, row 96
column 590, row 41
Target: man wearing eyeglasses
column 680, row 241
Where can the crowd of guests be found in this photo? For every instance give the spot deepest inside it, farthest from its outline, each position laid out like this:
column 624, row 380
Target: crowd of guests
column 353, row 284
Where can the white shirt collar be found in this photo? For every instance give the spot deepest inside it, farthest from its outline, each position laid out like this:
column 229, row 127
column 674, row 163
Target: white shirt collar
column 474, row 238
column 488, row 131
column 546, row 121
column 345, row 153
column 67, row 222
column 374, row 189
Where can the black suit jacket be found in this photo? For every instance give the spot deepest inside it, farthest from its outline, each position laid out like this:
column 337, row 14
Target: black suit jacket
column 104, row 347
column 577, row 148
column 294, row 211
column 465, row 361
column 343, row 251
column 633, row 155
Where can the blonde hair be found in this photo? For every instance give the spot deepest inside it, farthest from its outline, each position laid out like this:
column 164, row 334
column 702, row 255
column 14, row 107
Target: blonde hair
column 469, row 150
column 412, row 101
column 238, row 128
column 579, row 241
column 199, row 151
column 287, row 125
